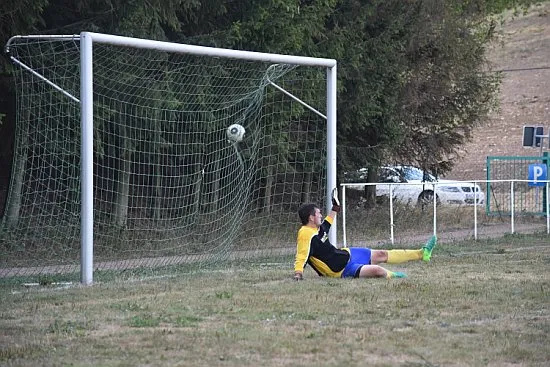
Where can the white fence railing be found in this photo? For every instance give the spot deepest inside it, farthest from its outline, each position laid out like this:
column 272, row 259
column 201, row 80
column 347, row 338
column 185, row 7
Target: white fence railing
column 439, row 202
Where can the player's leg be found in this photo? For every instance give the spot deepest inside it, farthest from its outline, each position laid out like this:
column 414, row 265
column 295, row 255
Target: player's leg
column 376, row 271
column 361, row 265
column 378, row 256
column 396, row 256
column 401, row 256
column 374, row 257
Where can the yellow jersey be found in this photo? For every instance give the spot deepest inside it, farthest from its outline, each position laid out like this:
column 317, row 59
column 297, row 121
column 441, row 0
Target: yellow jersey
column 314, row 248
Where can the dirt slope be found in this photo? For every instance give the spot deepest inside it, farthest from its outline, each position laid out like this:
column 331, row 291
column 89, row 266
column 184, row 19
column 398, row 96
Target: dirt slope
column 524, row 58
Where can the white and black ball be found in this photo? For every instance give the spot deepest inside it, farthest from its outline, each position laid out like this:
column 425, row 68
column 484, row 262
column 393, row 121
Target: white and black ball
column 235, row 133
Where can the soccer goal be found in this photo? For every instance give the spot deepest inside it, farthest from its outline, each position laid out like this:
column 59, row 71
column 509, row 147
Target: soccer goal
column 123, row 157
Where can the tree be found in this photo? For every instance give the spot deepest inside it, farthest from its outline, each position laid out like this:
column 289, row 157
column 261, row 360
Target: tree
column 287, row 27
column 367, row 38
column 398, row 98
column 412, row 81
column 447, row 91
column 151, row 19
column 16, row 16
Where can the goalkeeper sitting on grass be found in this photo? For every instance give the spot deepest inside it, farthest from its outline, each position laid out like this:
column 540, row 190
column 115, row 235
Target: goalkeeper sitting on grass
column 314, row 248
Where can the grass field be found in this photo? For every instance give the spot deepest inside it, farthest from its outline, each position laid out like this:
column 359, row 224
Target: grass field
column 476, row 304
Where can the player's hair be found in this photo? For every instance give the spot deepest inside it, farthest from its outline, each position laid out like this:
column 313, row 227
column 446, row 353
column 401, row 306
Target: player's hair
column 305, row 211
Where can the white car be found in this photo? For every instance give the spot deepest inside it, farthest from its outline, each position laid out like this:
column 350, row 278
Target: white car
column 412, row 185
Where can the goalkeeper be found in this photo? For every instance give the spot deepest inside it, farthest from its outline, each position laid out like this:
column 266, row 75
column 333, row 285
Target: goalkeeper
column 314, row 248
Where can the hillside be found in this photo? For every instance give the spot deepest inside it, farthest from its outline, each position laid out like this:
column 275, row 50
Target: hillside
column 524, row 57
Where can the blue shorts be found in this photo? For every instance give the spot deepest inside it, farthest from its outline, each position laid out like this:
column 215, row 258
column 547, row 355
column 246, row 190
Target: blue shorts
column 358, row 257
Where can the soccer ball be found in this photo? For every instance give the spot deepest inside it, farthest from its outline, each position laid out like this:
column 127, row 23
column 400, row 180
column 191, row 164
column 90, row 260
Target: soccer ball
column 235, row 133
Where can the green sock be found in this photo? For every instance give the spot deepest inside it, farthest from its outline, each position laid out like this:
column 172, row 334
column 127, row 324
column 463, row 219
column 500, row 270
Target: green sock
column 395, row 274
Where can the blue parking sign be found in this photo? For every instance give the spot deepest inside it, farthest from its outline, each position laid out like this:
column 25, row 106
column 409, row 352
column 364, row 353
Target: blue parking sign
column 537, row 172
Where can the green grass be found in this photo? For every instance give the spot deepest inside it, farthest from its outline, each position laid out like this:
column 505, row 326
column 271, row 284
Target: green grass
column 475, row 304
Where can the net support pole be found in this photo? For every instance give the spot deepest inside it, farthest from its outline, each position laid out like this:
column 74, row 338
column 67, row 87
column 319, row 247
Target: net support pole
column 512, row 200
column 344, row 238
column 331, row 145
column 547, row 207
column 435, row 209
column 392, row 237
column 86, row 159
column 475, row 210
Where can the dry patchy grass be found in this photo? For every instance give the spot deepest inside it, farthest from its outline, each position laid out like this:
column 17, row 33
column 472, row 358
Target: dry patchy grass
column 475, row 304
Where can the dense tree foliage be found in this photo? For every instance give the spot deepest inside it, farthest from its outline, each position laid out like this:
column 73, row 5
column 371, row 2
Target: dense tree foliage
column 410, row 73
column 447, row 89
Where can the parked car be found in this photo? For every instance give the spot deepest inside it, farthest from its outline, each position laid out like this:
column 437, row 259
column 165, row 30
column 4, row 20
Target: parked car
column 419, row 187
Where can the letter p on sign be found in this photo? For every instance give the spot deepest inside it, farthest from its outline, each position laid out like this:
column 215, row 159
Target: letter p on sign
column 537, row 172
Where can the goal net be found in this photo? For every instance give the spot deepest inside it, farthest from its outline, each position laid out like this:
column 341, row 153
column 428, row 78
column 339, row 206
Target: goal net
column 168, row 187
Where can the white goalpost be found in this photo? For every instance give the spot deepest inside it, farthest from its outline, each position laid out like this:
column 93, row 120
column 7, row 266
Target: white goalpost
column 126, row 138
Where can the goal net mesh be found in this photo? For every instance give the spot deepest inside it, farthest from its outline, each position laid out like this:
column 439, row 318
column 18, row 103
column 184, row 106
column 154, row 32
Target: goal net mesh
column 169, row 187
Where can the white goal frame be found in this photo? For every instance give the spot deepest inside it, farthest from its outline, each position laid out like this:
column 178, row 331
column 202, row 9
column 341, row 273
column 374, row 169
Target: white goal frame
column 87, row 41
